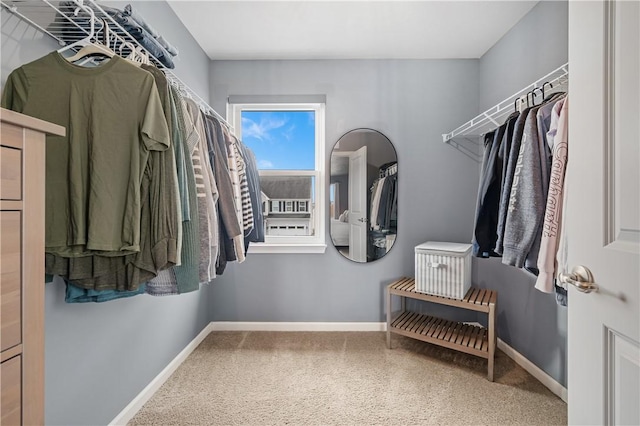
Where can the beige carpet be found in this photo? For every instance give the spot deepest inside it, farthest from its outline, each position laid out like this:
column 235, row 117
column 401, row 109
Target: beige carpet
column 331, row 378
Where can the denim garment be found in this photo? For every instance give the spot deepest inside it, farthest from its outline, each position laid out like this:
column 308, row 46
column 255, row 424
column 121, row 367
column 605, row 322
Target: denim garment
column 128, row 10
column 154, row 48
column 75, row 294
column 170, row 48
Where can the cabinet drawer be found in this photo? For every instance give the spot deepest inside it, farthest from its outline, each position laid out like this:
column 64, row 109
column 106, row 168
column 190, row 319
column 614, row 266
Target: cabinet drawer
column 10, row 279
column 10, row 173
column 11, row 399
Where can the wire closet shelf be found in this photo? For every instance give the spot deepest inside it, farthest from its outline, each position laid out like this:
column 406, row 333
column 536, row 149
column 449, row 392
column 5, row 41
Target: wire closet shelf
column 473, row 129
column 55, row 19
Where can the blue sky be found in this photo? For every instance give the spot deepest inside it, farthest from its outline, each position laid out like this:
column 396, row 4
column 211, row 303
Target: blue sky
column 281, row 140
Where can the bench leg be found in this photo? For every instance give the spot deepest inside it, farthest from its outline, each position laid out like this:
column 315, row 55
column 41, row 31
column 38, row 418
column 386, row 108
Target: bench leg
column 388, row 294
column 492, row 341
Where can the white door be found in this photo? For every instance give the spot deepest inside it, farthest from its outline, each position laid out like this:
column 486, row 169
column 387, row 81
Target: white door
column 603, row 211
column 358, row 205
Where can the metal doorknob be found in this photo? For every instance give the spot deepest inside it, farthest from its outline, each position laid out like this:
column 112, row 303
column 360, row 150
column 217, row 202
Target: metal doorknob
column 363, row 219
column 581, row 278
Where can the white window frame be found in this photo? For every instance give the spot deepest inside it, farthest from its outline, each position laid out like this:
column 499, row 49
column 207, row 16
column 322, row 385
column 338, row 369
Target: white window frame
column 293, row 244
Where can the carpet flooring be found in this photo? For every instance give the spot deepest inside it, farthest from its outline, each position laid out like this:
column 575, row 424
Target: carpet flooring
column 344, row 378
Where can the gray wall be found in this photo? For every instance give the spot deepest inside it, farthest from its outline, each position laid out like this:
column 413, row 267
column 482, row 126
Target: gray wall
column 537, row 45
column 100, row 356
column 412, row 102
column 528, row 320
column 436, row 192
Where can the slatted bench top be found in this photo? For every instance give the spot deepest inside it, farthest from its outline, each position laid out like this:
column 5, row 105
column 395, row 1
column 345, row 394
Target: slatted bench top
column 476, row 299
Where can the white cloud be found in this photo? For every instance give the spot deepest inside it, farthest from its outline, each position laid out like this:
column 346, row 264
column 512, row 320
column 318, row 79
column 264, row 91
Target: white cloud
column 288, row 133
column 261, row 130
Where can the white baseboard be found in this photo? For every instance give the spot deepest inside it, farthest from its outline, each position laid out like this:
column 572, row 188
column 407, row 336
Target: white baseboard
column 534, row 370
column 297, row 326
column 145, row 395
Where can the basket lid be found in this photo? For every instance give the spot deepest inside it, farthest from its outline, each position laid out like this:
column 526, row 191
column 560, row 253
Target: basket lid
column 444, row 246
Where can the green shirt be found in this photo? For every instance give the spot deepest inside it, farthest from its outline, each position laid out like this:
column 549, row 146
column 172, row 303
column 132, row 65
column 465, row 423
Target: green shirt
column 114, row 117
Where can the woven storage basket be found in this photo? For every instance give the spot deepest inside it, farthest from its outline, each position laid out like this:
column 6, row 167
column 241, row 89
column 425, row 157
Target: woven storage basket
column 443, row 269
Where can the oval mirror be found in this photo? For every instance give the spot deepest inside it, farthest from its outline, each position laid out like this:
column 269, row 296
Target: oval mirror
column 363, row 195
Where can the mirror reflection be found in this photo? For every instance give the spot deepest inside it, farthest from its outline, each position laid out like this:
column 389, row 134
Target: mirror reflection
column 363, row 195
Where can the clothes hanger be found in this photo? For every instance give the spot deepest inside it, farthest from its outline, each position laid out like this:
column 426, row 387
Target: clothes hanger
column 550, row 87
column 90, row 48
column 139, row 55
column 528, row 104
column 87, row 39
column 541, row 90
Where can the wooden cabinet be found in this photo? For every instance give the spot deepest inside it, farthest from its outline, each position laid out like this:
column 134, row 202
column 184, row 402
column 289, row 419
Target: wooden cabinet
column 468, row 338
column 22, row 174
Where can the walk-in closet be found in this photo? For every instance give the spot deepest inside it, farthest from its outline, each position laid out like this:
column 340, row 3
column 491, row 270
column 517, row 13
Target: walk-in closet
column 312, row 213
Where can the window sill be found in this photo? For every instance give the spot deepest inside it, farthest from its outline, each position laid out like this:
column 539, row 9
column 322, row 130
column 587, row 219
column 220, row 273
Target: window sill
column 267, row 248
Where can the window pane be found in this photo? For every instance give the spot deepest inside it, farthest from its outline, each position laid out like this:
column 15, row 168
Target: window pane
column 287, row 191
column 281, row 140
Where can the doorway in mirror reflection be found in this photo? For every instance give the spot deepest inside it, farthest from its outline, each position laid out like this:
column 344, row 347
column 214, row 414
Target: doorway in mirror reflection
column 363, row 195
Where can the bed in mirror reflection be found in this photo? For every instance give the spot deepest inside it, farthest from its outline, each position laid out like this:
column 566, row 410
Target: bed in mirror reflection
column 363, row 195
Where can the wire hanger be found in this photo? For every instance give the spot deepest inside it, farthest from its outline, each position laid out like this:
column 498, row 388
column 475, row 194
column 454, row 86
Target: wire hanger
column 533, row 98
column 550, row 87
column 541, row 89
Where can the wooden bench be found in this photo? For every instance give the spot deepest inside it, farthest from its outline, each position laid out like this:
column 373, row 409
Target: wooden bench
column 468, row 338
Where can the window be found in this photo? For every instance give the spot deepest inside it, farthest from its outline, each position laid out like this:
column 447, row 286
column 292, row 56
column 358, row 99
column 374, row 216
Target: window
column 288, row 142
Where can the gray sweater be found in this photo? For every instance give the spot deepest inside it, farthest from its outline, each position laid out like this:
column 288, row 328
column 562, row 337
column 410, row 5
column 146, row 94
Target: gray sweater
column 509, row 171
column 526, row 202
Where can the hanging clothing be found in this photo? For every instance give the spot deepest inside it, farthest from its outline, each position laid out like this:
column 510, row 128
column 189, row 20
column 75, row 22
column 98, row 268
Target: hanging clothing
column 207, row 200
column 525, row 202
column 204, row 214
column 386, row 206
column 230, row 231
column 168, row 163
column 553, row 212
column 509, row 173
column 166, row 282
column 256, row 234
column 375, row 203
column 187, row 274
column 247, row 208
column 97, row 208
column 109, row 166
column 543, row 121
column 235, row 168
column 152, row 196
column 74, row 294
column 527, row 199
column 488, row 203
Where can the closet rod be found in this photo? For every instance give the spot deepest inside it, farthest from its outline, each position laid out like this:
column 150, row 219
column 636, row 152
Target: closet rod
column 493, row 117
column 41, row 15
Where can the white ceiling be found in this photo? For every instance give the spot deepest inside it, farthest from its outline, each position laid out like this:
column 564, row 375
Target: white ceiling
column 351, row 29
